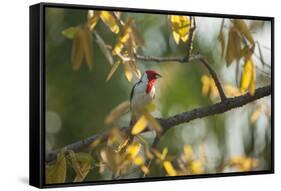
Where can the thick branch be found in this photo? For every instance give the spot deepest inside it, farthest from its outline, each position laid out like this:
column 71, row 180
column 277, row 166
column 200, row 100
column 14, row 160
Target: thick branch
column 230, row 103
column 167, row 123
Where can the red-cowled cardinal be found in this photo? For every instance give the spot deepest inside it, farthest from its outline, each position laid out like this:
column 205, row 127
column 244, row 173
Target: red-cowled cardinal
column 143, row 93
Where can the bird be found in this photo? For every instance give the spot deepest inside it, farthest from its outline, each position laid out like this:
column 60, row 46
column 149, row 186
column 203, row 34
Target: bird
column 143, row 93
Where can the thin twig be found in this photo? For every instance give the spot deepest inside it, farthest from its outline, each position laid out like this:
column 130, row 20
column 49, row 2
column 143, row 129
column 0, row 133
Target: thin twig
column 215, row 77
column 183, row 60
column 191, row 35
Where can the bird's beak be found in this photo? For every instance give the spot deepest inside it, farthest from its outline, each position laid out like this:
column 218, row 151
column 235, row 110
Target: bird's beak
column 158, row 76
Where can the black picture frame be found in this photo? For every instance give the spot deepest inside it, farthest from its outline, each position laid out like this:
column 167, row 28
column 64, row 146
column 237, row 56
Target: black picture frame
column 37, row 94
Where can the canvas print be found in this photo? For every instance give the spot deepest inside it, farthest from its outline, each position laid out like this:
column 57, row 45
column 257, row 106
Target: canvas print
column 132, row 95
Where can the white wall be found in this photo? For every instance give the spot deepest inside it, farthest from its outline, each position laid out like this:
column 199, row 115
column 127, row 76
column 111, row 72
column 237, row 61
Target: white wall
column 14, row 93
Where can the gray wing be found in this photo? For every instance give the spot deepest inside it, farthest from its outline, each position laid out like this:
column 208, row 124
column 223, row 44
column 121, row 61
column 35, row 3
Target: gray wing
column 132, row 91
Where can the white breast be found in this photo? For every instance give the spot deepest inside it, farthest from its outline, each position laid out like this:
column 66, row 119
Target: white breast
column 141, row 99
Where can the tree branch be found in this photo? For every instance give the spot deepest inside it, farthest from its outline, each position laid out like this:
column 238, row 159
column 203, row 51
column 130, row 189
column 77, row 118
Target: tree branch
column 190, row 58
column 167, row 123
column 215, row 77
column 167, row 59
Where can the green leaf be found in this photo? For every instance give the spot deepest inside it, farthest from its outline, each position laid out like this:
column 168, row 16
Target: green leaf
column 77, row 49
column 56, row 173
column 69, row 32
column 117, row 112
column 85, row 161
column 244, row 29
column 74, row 163
column 113, row 70
column 233, row 50
column 88, row 47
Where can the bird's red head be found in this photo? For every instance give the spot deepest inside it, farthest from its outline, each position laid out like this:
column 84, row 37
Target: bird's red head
column 152, row 75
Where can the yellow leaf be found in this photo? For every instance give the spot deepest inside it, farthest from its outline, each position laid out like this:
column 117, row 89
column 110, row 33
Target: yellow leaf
column 88, row 47
column 122, row 146
column 133, row 150
column 180, row 27
column 196, row 167
column 135, row 69
column 231, row 91
column 123, row 38
column 85, row 160
column 153, row 122
column 74, row 163
column 169, row 168
column 233, row 46
column 83, row 157
column 77, row 49
column 202, row 152
column 164, row 153
column 244, row 163
column 140, row 125
column 85, row 169
column 208, row 85
column 245, row 51
column 82, row 46
column 236, row 160
column 176, row 37
column 252, row 87
column 111, row 158
column 95, row 143
column 56, row 173
column 113, row 69
column 249, row 164
column 144, row 169
column 157, row 154
column 115, row 137
column 188, row 152
column 93, row 17
column 205, row 85
column 138, row 160
column 128, row 71
column 117, row 112
column 248, row 77
column 244, row 29
column 255, row 115
column 221, row 38
column 110, row 20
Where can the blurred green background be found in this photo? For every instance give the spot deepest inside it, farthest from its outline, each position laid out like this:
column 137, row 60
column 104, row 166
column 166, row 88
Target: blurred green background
column 77, row 102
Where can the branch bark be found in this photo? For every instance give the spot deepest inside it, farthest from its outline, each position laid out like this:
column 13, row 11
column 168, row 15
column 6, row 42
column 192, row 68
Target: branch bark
column 173, row 121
